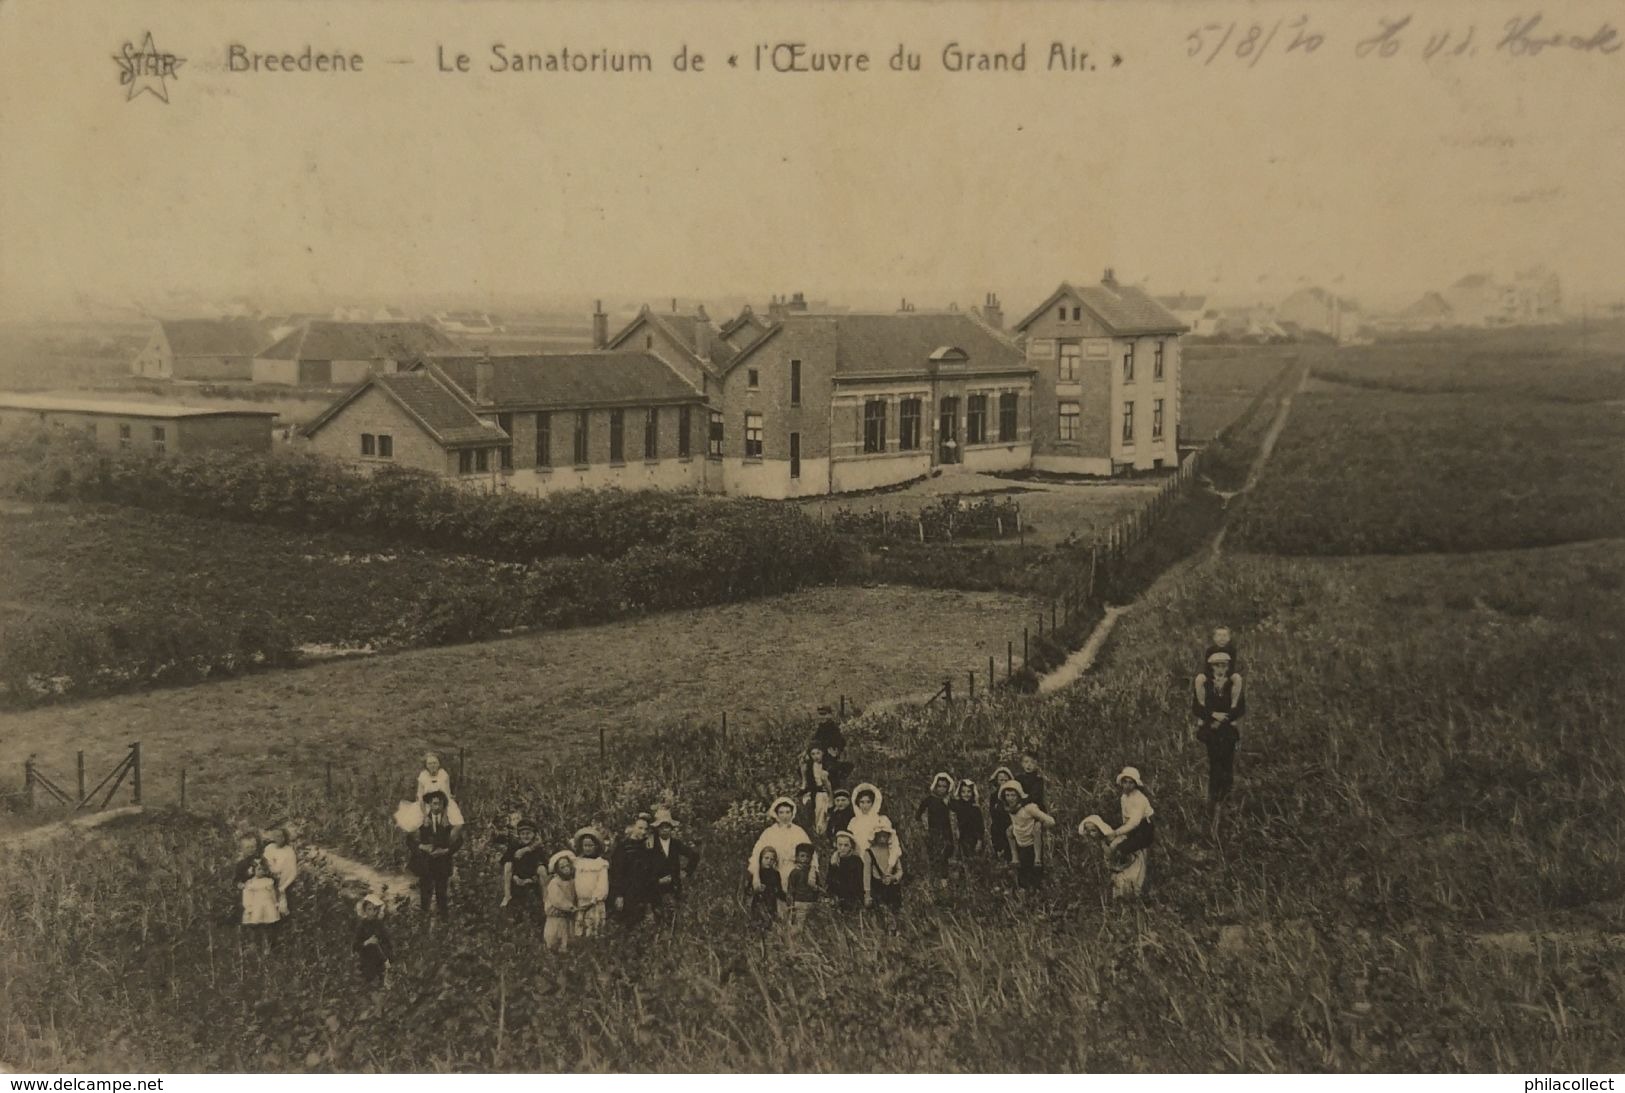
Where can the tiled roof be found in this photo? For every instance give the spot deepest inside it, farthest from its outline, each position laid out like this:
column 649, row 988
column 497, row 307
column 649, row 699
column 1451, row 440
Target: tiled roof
column 1123, row 309
column 903, row 341
column 329, row 340
column 743, row 328
column 444, row 416
column 682, row 329
column 214, row 337
column 570, row 380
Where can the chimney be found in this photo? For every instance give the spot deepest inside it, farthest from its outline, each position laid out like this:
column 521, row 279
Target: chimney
column 484, row 375
column 1110, row 279
column 992, row 312
column 600, row 325
column 798, row 302
column 674, row 305
column 702, row 334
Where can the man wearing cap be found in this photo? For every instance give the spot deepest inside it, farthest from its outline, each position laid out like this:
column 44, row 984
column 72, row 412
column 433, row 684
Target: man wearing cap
column 828, row 734
column 672, row 860
column 1217, row 705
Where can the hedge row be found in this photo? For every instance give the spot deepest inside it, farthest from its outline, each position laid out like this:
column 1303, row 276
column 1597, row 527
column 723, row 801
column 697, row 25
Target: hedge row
column 402, row 506
column 47, row 658
column 944, row 520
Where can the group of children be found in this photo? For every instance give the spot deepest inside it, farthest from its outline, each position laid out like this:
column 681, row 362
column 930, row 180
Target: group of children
column 853, row 858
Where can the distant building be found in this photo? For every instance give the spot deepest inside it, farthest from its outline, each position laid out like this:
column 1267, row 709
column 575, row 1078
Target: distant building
column 1189, row 310
column 324, row 352
column 143, row 426
column 1539, row 296
column 820, row 404
column 390, row 315
column 1478, row 299
column 201, row 349
column 1106, row 389
column 1430, row 312
column 465, row 322
column 1316, row 310
column 531, row 423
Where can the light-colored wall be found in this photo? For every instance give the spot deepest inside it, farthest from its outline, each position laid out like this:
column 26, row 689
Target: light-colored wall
column 213, row 368
column 1072, row 464
column 227, row 433
column 870, row 471
column 375, row 412
column 771, row 478
column 1145, row 451
column 154, row 358
column 998, row 457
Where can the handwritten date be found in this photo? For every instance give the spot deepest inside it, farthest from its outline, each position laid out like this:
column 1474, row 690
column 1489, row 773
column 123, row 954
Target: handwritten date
column 1521, row 36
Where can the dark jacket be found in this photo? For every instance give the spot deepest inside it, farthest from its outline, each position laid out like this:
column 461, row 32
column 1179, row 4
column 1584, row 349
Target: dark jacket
column 1227, row 696
column 829, row 735
column 441, row 838
column 845, row 881
column 373, row 956
column 667, row 869
column 938, row 814
column 632, row 871
column 837, row 820
column 802, row 888
column 969, row 820
column 1032, row 782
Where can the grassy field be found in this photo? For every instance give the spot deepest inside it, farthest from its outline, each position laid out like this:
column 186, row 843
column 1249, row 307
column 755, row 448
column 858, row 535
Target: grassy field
column 1427, row 776
column 1217, row 383
column 1374, row 471
column 533, row 700
column 106, row 562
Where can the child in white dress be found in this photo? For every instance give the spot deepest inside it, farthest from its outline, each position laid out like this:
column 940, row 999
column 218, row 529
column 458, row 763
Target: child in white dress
column 259, row 898
column 592, row 882
column 432, row 778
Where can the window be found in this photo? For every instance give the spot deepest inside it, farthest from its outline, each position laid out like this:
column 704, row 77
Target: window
column 1077, row 314
column 1069, row 421
column 544, row 439
column 1128, row 423
column 795, row 455
column 753, row 436
column 1007, row 417
column 1069, row 363
column 976, row 419
column 1128, row 365
column 685, row 422
column 908, row 425
column 617, row 436
column 1156, row 420
column 465, row 461
column 753, row 378
column 505, row 423
column 386, row 446
column 1156, row 363
column 158, row 444
column 580, row 453
column 651, row 433
column 795, row 383
column 123, row 436
column 369, row 444
column 648, row 341
column 874, row 425
column 715, row 449
column 1063, row 315
column 482, row 459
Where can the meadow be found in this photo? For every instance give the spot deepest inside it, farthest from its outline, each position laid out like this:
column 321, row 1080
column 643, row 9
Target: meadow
column 1421, row 873
column 1217, row 383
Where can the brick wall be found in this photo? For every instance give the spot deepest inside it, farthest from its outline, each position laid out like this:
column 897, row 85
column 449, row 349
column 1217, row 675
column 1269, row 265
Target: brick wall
column 376, row 413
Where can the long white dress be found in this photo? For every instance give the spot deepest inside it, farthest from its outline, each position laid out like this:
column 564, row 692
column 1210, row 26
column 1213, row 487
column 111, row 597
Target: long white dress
column 409, row 817
column 260, row 902
column 592, row 892
column 863, row 824
column 284, row 866
column 783, row 838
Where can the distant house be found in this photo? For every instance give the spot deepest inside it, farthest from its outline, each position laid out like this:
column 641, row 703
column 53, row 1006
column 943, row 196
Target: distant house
column 827, row 403
column 325, row 352
column 1189, row 310
column 1106, row 390
column 1479, row 300
column 143, row 426
column 1318, row 311
column 201, row 349
column 390, row 315
column 1539, row 296
column 1430, row 312
column 465, row 322
column 532, row 423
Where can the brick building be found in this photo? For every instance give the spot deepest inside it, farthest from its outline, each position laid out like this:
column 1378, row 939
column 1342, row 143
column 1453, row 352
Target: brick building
column 202, row 349
column 1106, row 380
column 532, row 423
column 143, row 426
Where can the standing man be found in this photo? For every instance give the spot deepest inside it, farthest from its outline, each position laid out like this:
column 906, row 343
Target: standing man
column 630, row 867
column 672, row 860
column 1217, row 705
column 432, row 847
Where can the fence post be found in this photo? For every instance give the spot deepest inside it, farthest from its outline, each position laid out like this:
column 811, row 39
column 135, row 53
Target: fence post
column 1024, row 656
column 843, row 705
column 135, row 768
column 948, row 691
column 724, row 726
column 970, row 692
column 990, row 675
column 1052, row 615
column 602, row 751
column 80, row 763
column 462, row 765
column 28, row 780
column 183, row 789
column 1040, row 624
column 330, row 776
column 1009, row 659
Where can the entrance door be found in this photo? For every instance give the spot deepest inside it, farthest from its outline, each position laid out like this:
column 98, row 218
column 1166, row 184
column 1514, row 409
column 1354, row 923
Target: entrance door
column 948, row 432
column 795, row 455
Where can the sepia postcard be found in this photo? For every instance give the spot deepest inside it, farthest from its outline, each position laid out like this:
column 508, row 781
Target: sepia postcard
column 868, row 537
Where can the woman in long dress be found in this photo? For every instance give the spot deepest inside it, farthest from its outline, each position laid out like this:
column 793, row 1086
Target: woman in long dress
column 866, row 816
column 433, row 778
column 1128, row 846
column 782, row 837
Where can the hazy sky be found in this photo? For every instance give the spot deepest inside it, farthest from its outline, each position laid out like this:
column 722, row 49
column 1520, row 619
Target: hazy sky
column 1395, row 174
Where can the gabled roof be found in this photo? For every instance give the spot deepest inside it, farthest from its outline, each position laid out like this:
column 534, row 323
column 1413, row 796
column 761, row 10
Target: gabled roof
column 1121, row 309
column 743, row 328
column 1326, row 299
column 330, row 340
column 428, row 401
column 903, row 341
column 566, row 380
column 682, row 329
column 214, row 337
column 1183, row 302
column 70, row 404
column 1430, row 304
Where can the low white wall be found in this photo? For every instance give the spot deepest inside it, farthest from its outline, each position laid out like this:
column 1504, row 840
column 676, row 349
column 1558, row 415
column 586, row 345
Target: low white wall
column 870, row 472
column 998, row 457
column 665, row 474
column 1073, row 464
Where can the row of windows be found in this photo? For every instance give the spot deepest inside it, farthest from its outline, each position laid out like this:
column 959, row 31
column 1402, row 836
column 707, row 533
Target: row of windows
column 1071, row 414
column 1071, row 363
column 977, row 426
column 381, row 446
column 160, row 436
column 581, row 429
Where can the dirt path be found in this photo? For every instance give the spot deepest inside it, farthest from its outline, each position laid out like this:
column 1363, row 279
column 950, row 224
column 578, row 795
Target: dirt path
column 1265, row 450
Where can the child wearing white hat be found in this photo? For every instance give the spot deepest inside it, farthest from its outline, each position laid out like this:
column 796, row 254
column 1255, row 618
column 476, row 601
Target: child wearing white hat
column 1128, row 845
column 559, row 902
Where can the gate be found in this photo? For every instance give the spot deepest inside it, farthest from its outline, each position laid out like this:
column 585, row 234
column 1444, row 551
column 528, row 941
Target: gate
column 38, row 784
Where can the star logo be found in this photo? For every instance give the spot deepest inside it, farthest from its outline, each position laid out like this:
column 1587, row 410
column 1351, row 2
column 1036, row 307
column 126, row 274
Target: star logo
column 145, row 68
